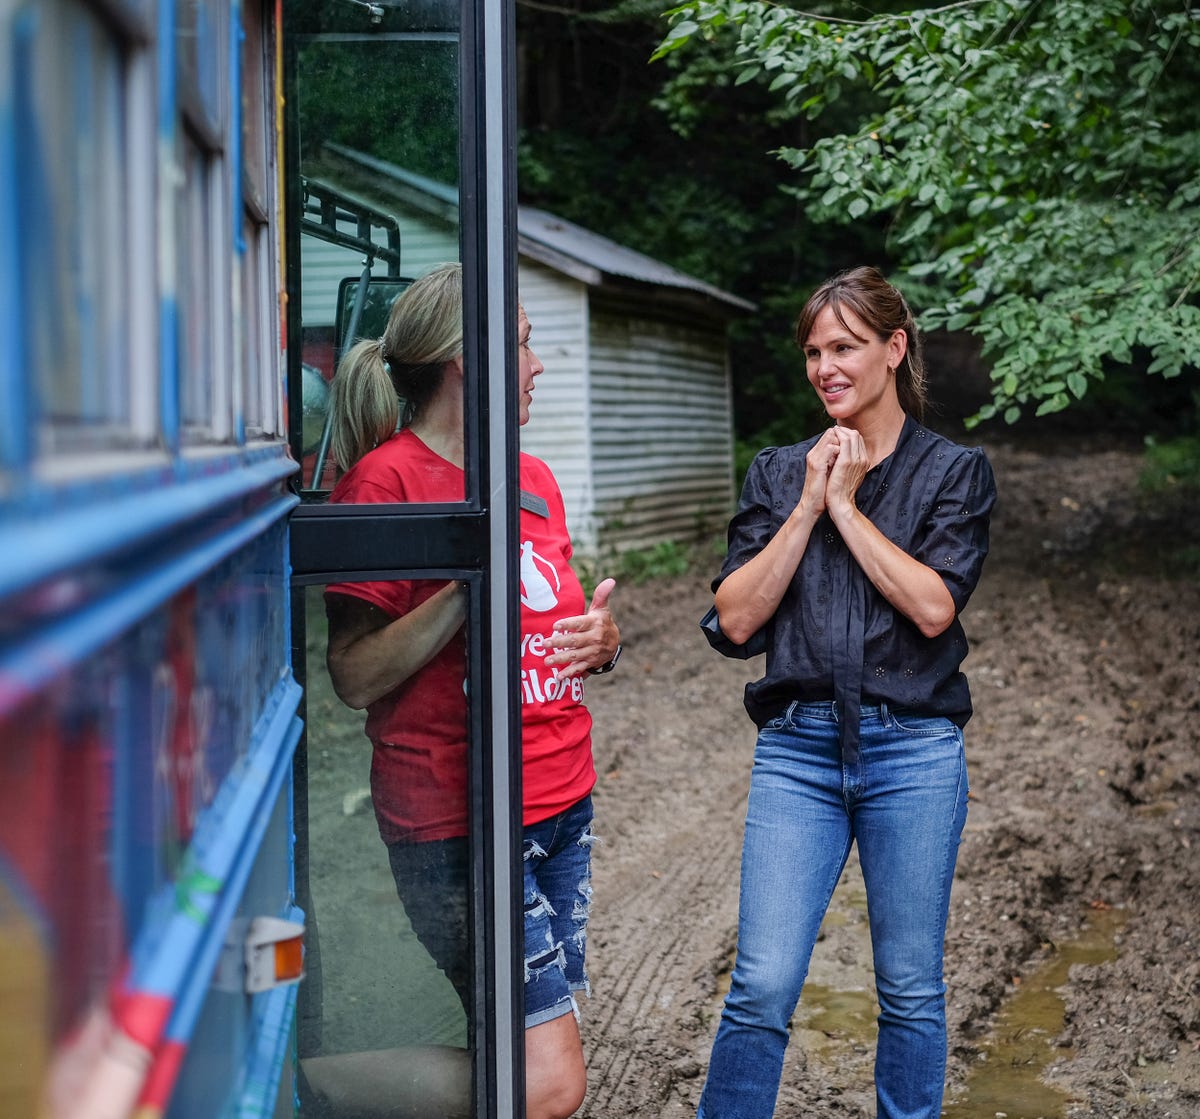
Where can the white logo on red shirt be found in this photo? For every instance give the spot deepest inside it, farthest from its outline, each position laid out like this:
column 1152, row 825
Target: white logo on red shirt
column 536, row 590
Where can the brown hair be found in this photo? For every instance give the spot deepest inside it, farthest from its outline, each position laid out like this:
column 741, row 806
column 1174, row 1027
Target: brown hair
column 881, row 306
column 423, row 332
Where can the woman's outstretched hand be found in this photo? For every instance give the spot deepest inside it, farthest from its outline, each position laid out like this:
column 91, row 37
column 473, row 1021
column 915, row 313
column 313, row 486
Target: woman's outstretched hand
column 586, row 641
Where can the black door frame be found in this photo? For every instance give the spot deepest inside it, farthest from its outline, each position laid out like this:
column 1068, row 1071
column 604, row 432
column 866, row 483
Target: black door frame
column 476, row 541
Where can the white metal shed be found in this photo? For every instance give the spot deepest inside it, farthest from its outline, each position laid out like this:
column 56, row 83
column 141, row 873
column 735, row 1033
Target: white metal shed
column 633, row 413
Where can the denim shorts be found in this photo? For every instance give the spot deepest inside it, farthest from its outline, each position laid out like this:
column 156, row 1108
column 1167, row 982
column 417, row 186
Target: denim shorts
column 432, row 880
column 558, row 901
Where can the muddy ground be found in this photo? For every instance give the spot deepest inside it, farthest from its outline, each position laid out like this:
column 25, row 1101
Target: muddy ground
column 1073, row 953
column 1083, row 839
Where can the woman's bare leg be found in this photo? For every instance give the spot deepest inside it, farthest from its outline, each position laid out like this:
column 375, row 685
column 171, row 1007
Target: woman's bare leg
column 555, row 1076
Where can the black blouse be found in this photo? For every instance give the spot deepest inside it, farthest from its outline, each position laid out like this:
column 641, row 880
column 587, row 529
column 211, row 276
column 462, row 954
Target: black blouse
column 834, row 636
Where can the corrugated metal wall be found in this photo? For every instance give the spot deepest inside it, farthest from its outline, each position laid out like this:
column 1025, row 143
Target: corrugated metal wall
column 559, row 430
column 661, row 427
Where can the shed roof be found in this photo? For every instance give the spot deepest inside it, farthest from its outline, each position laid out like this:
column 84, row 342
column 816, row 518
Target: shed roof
column 560, row 244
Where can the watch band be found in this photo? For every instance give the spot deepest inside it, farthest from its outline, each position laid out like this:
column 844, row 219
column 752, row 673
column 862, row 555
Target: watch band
column 607, row 667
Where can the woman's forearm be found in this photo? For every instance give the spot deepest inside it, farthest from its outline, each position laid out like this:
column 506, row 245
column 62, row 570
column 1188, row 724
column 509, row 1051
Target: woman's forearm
column 748, row 597
column 367, row 663
column 914, row 589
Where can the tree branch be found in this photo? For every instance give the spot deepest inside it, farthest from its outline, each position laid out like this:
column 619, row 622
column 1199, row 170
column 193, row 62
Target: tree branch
column 882, row 18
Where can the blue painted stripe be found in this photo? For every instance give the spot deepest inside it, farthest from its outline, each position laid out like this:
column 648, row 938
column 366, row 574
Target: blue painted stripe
column 270, row 1046
column 168, row 202
column 54, row 650
column 236, row 36
column 13, row 419
column 177, row 959
column 83, row 535
column 236, row 208
column 30, row 191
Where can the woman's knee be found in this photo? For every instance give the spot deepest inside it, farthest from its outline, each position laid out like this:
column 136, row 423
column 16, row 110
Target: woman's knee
column 764, row 996
column 557, row 1098
column 910, row 995
column 555, row 1074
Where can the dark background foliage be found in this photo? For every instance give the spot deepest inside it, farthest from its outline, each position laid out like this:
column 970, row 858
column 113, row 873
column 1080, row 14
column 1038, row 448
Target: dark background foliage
column 677, row 158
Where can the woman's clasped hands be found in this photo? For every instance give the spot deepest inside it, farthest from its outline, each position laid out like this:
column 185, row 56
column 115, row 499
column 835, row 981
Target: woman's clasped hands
column 837, row 464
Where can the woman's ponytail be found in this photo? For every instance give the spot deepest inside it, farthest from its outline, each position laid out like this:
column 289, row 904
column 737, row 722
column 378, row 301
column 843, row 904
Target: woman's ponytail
column 402, row 370
column 365, row 408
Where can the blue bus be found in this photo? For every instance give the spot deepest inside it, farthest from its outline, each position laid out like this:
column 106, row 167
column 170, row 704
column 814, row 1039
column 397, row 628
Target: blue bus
column 196, row 917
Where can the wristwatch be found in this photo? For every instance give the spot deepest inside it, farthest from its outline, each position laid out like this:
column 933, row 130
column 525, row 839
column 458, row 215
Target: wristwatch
column 607, row 667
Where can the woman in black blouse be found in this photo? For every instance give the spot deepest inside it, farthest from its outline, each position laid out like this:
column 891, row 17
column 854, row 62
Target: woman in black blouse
column 850, row 558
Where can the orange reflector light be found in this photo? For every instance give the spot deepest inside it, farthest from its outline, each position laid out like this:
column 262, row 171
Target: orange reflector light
column 274, row 953
column 289, row 959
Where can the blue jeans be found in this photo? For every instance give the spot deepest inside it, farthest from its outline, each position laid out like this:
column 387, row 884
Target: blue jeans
column 905, row 803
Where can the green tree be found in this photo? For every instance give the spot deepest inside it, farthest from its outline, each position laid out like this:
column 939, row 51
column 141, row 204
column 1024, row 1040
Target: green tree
column 595, row 147
column 1036, row 166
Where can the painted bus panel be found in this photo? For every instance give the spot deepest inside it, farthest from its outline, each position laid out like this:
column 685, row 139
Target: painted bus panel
column 148, row 710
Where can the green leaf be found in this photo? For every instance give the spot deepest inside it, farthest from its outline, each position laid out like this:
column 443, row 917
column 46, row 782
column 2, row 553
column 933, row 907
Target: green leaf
column 1054, row 404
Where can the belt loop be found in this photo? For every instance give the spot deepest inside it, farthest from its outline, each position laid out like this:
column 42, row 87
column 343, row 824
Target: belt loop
column 833, row 709
column 885, row 716
column 791, row 710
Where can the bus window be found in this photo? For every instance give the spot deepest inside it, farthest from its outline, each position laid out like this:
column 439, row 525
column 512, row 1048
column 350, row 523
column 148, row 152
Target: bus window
column 72, row 78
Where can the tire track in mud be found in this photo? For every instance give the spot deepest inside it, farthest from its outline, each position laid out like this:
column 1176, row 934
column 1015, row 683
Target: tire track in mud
column 648, row 982
column 670, row 802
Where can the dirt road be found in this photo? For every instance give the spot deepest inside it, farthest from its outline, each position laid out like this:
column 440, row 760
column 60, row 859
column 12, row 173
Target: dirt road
column 1079, row 876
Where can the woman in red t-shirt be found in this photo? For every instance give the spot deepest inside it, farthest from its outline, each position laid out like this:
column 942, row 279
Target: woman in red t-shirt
column 397, row 649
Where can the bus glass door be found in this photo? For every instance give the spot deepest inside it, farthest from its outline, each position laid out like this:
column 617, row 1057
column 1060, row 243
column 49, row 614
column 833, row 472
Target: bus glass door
column 398, row 124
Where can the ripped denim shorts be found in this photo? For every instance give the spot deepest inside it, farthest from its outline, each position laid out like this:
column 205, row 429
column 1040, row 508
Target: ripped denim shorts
column 432, row 881
column 558, row 899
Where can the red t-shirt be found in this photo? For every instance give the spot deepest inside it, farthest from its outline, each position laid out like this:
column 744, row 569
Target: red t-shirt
column 418, row 730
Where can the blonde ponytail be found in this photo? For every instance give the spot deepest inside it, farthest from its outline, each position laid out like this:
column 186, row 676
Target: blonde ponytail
column 402, row 370
column 364, row 404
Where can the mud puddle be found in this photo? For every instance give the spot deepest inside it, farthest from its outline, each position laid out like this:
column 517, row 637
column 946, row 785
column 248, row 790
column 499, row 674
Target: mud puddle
column 1006, row 1082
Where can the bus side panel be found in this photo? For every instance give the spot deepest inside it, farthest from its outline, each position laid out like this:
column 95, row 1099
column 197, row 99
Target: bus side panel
column 145, row 819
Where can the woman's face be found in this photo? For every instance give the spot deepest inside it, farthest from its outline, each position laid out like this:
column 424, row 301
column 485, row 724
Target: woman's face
column 850, row 367
column 529, row 367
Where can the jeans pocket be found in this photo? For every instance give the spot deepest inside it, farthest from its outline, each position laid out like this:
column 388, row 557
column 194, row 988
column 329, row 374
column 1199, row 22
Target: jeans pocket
column 924, row 726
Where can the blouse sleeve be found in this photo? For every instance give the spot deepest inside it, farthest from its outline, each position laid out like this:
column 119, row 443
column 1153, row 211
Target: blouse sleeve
column 955, row 542
column 751, row 528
